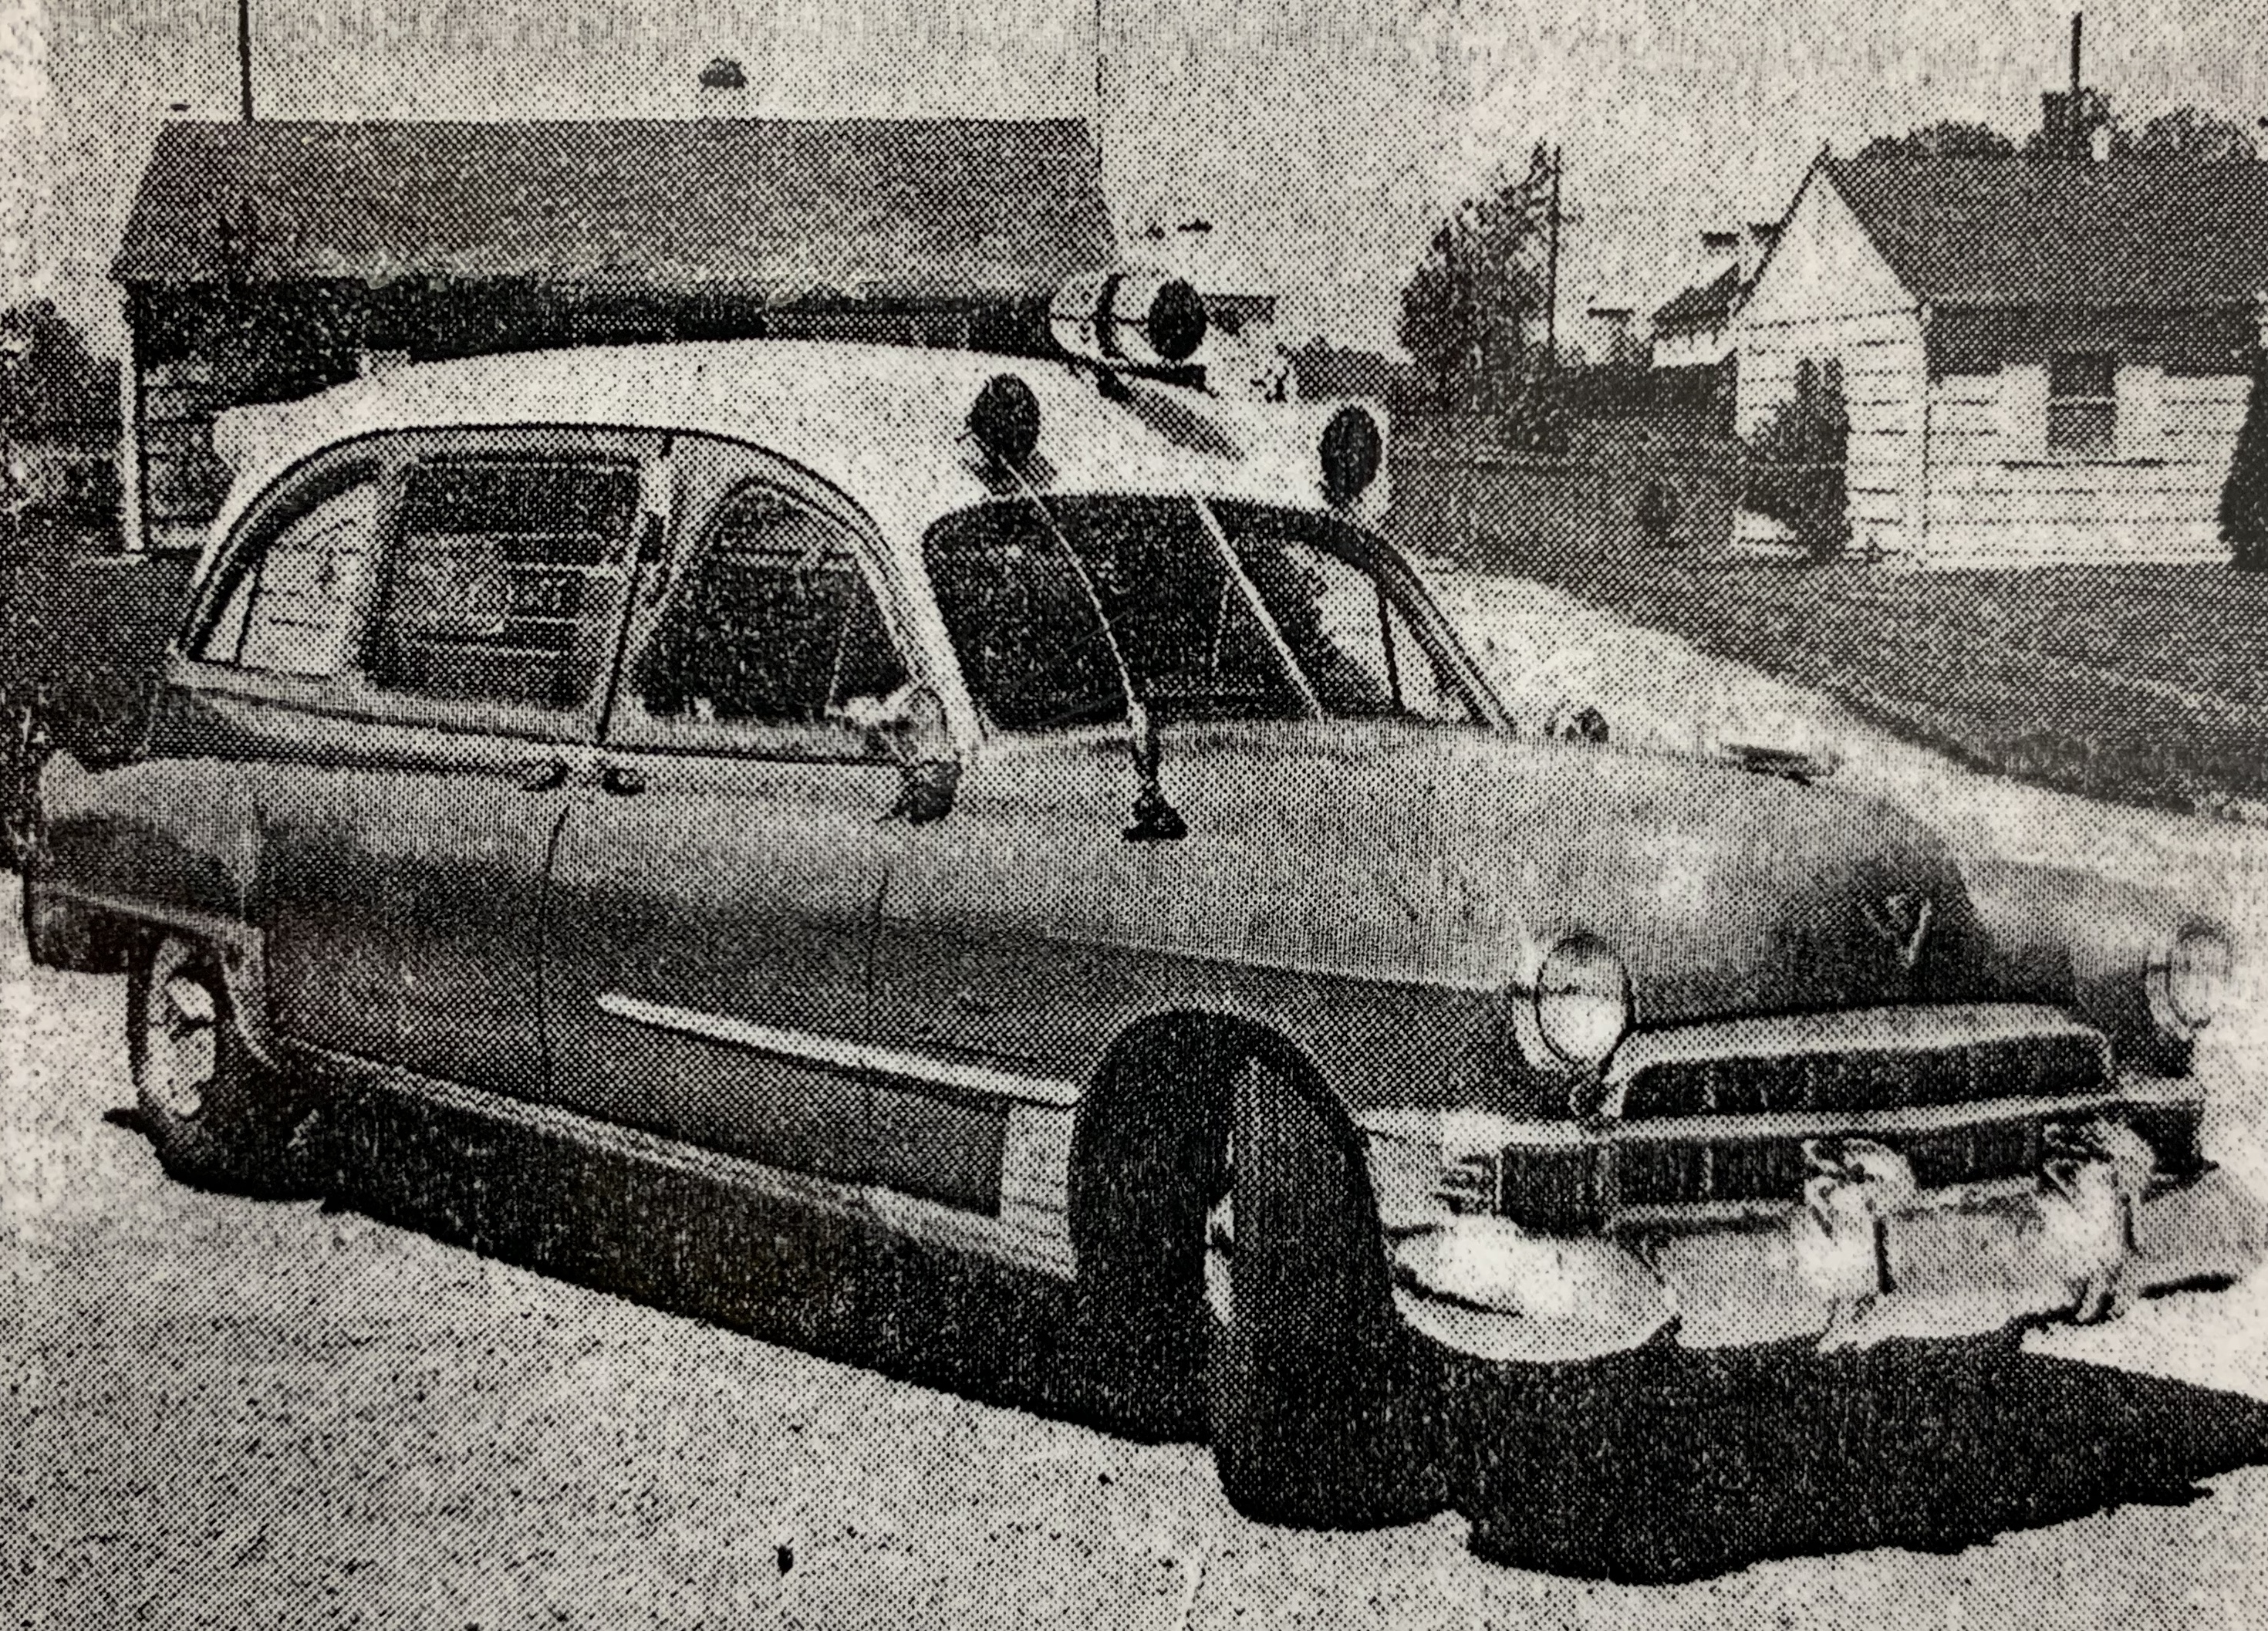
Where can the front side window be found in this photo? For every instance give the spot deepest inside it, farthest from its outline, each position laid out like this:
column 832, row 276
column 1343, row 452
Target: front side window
column 1340, row 621
column 774, row 630
column 2082, row 403
column 298, row 589
column 502, row 573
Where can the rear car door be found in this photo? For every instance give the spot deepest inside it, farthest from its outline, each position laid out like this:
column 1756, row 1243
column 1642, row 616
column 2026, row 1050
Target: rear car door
column 409, row 798
column 713, row 906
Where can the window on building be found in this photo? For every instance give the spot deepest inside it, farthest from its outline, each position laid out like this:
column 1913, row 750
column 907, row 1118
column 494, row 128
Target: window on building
column 2082, row 403
column 297, row 590
column 502, row 578
column 778, row 629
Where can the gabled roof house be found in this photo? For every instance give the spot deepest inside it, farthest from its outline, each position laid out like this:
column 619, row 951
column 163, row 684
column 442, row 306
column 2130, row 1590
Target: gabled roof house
column 2043, row 358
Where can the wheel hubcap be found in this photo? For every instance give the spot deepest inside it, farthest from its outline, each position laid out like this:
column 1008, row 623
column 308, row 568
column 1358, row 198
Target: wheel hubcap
column 183, row 1035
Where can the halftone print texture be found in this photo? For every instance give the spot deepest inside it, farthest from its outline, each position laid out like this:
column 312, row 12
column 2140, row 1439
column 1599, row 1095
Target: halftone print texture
column 1539, row 898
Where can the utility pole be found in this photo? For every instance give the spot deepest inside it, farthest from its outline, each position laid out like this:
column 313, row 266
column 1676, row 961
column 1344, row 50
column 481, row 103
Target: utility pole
column 244, row 54
column 1551, row 273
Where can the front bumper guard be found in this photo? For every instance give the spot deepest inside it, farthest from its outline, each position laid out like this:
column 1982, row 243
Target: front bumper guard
column 1865, row 1258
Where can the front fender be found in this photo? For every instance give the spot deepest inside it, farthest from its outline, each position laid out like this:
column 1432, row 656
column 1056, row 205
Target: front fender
column 2086, row 944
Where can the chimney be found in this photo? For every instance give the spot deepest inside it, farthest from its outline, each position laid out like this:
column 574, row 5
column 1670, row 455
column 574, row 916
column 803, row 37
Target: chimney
column 723, row 92
column 2074, row 124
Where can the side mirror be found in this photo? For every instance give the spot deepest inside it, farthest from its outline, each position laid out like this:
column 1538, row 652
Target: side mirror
column 1155, row 821
column 913, row 723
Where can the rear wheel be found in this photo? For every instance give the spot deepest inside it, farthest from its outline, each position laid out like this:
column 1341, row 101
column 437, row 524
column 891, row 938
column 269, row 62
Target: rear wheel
column 212, row 1114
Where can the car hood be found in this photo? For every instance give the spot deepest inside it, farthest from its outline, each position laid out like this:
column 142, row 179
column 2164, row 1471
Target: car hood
column 1723, row 891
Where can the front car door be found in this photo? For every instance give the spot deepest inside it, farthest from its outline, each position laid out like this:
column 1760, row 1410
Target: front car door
column 713, row 906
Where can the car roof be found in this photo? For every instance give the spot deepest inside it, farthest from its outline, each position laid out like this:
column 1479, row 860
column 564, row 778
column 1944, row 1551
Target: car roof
column 884, row 423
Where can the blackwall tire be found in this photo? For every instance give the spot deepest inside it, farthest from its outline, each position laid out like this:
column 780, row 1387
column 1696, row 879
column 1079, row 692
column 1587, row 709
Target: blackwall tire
column 1306, row 1405
column 214, row 1117
column 1137, row 1232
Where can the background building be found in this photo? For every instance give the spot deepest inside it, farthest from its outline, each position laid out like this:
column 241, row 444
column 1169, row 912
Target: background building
column 2041, row 358
column 262, row 262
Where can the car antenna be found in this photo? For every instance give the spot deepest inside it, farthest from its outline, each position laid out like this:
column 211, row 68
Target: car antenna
column 1003, row 425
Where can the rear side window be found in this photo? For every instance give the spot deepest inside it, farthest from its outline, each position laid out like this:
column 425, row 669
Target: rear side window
column 498, row 566
column 299, row 591
column 776, row 628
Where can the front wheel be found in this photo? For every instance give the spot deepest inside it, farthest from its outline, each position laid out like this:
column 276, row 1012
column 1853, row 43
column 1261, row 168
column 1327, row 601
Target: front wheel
column 210, row 1110
column 1309, row 1401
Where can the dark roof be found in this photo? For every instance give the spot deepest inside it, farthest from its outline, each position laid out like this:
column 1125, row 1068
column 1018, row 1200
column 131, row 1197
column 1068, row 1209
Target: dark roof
column 1704, row 305
column 2133, row 231
column 933, row 210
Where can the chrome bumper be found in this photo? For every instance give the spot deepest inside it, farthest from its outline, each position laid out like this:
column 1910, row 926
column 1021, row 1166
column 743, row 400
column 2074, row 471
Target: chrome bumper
column 1859, row 1263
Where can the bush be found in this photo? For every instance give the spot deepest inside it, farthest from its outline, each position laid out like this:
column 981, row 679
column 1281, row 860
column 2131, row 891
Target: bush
column 1799, row 462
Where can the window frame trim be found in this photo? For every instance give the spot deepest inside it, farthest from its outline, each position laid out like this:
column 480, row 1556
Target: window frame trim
column 2107, row 399
column 741, row 468
column 562, row 443
column 350, row 695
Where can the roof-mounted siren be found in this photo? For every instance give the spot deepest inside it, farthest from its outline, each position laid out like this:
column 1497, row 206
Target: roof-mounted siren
column 1129, row 321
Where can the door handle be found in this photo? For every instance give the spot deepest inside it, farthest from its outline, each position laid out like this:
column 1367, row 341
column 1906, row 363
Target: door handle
column 543, row 775
column 621, row 780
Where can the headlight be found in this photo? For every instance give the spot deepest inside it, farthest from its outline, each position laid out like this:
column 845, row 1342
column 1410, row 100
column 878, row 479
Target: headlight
column 2190, row 982
column 1582, row 1001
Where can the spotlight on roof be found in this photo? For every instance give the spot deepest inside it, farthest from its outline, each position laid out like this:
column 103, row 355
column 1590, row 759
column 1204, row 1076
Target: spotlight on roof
column 1004, row 420
column 1352, row 450
column 1128, row 319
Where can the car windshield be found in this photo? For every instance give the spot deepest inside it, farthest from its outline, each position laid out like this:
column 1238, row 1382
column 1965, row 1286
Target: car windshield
column 1291, row 612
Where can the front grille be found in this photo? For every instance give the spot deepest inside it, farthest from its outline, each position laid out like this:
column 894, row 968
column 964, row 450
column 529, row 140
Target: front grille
column 1772, row 1169
column 2045, row 1066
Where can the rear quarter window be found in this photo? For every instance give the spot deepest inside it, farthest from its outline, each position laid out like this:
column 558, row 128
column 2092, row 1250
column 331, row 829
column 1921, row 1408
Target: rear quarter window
column 292, row 597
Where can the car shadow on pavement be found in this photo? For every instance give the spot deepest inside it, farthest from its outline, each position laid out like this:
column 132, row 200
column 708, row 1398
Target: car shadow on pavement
column 1665, row 1467
column 1660, row 1465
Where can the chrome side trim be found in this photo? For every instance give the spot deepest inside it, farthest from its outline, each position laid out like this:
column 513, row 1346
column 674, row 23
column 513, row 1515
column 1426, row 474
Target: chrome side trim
column 1042, row 1250
column 835, row 1053
column 1857, row 1030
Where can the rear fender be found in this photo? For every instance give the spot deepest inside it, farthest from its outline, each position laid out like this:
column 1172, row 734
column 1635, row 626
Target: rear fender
column 170, row 842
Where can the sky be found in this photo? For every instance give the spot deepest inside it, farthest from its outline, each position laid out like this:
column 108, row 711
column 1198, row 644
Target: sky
column 1324, row 137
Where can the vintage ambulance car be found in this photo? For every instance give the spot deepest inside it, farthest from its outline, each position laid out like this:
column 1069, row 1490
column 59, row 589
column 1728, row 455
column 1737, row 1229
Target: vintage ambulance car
column 1026, row 806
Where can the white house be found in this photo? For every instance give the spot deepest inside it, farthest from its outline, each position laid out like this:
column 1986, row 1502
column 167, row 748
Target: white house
column 2042, row 358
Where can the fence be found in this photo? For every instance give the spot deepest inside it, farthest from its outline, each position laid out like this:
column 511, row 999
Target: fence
column 1618, row 490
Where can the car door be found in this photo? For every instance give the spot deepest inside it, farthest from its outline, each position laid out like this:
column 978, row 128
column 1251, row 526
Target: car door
column 712, row 906
column 408, row 813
